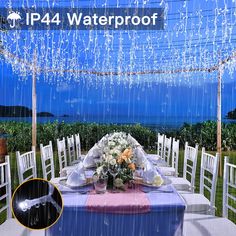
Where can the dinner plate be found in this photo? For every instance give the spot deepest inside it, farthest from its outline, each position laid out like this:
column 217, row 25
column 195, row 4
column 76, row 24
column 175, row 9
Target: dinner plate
column 64, row 183
column 140, row 181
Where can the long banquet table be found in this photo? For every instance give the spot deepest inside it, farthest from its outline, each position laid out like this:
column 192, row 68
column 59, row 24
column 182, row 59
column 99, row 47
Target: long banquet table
column 165, row 217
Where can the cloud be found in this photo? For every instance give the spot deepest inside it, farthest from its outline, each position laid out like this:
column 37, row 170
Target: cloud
column 63, row 87
column 74, row 100
column 112, row 102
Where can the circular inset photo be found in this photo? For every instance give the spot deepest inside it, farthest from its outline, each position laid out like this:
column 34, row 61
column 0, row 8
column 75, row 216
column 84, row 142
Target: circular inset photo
column 37, row 204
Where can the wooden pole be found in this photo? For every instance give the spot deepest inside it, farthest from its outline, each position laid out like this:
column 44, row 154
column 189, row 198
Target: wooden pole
column 34, row 103
column 219, row 133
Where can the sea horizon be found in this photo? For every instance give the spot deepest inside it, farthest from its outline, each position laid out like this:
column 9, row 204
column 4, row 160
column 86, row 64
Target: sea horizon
column 157, row 122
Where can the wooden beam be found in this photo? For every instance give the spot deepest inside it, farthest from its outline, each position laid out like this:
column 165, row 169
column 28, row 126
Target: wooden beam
column 17, row 59
column 219, row 130
column 219, row 107
column 34, row 102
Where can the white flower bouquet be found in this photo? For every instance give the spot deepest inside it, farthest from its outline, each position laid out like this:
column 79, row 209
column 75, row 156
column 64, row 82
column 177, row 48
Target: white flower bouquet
column 117, row 159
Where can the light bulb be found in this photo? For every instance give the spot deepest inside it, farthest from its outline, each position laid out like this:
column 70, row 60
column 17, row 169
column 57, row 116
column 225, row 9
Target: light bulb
column 23, row 206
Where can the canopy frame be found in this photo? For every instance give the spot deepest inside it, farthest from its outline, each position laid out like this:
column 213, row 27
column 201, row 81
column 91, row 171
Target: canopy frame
column 35, row 69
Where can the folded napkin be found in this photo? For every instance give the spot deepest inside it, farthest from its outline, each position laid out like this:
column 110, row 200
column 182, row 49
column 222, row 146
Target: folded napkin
column 84, row 189
column 133, row 141
column 140, row 156
column 67, row 170
column 77, row 176
column 103, row 142
column 92, row 157
column 151, row 176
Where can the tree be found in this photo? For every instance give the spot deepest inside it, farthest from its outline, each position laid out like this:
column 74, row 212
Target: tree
column 232, row 114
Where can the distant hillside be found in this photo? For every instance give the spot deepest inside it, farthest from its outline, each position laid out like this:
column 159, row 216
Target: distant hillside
column 231, row 114
column 45, row 114
column 20, row 111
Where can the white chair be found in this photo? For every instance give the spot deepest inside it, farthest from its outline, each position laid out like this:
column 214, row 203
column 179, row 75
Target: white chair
column 198, row 202
column 26, row 165
column 71, row 150
column 160, row 148
column 61, row 149
column 11, row 227
column 202, row 225
column 47, row 161
column 187, row 182
column 229, row 182
column 173, row 170
column 167, row 150
column 79, row 156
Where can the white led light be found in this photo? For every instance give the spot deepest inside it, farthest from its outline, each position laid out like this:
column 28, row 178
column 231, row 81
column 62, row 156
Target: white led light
column 23, row 206
column 194, row 40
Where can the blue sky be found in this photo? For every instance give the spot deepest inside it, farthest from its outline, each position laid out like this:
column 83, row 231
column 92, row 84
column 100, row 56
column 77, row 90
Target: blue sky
column 84, row 100
column 141, row 97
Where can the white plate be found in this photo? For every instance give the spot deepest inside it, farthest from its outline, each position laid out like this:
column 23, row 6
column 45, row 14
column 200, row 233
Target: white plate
column 141, row 182
column 63, row 182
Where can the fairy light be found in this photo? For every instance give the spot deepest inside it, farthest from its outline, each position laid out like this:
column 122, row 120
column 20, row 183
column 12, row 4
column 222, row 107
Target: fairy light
column 36, row 202
column 192, row 39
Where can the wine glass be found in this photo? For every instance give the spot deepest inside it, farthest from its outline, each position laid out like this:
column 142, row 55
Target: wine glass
column 113, row 170
column 104, row 170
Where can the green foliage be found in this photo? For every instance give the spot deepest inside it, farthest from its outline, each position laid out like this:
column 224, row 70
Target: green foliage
column 205, row 134
column 20, row 133
column 202, row 133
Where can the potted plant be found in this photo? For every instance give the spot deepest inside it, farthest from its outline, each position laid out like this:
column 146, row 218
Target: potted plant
column 3, row 145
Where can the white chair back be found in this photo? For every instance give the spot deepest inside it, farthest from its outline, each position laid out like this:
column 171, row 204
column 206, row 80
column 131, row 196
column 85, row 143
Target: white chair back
column 229, row 188
column 78, row 147
column 47, row 161
column 71, row 149
column 160, row 145
column 5, row 186
column 61, row 149
column 190, row 164
column 26, row 165
column 175, row 156
column 208, row 176
column 167, row 150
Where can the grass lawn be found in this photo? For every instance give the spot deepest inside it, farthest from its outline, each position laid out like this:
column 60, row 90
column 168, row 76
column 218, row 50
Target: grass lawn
column 219, row 191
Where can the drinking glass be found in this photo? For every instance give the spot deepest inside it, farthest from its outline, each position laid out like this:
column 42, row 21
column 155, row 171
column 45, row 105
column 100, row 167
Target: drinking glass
column 113, row 170
column 100, row 183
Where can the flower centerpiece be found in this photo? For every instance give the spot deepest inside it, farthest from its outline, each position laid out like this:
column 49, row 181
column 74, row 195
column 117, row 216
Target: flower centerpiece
column 117, row 161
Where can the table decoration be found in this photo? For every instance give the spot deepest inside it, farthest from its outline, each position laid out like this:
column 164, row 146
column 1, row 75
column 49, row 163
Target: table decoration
column 132, row 201
column 100, row 183
column 118, row 155
column 119, row 139
column 138, row 206
column 117, row 158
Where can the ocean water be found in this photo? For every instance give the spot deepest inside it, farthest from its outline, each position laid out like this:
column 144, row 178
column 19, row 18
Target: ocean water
column 152, row 122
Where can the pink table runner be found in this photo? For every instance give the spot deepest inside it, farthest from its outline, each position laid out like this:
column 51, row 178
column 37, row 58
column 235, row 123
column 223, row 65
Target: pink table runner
column 132, row 201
